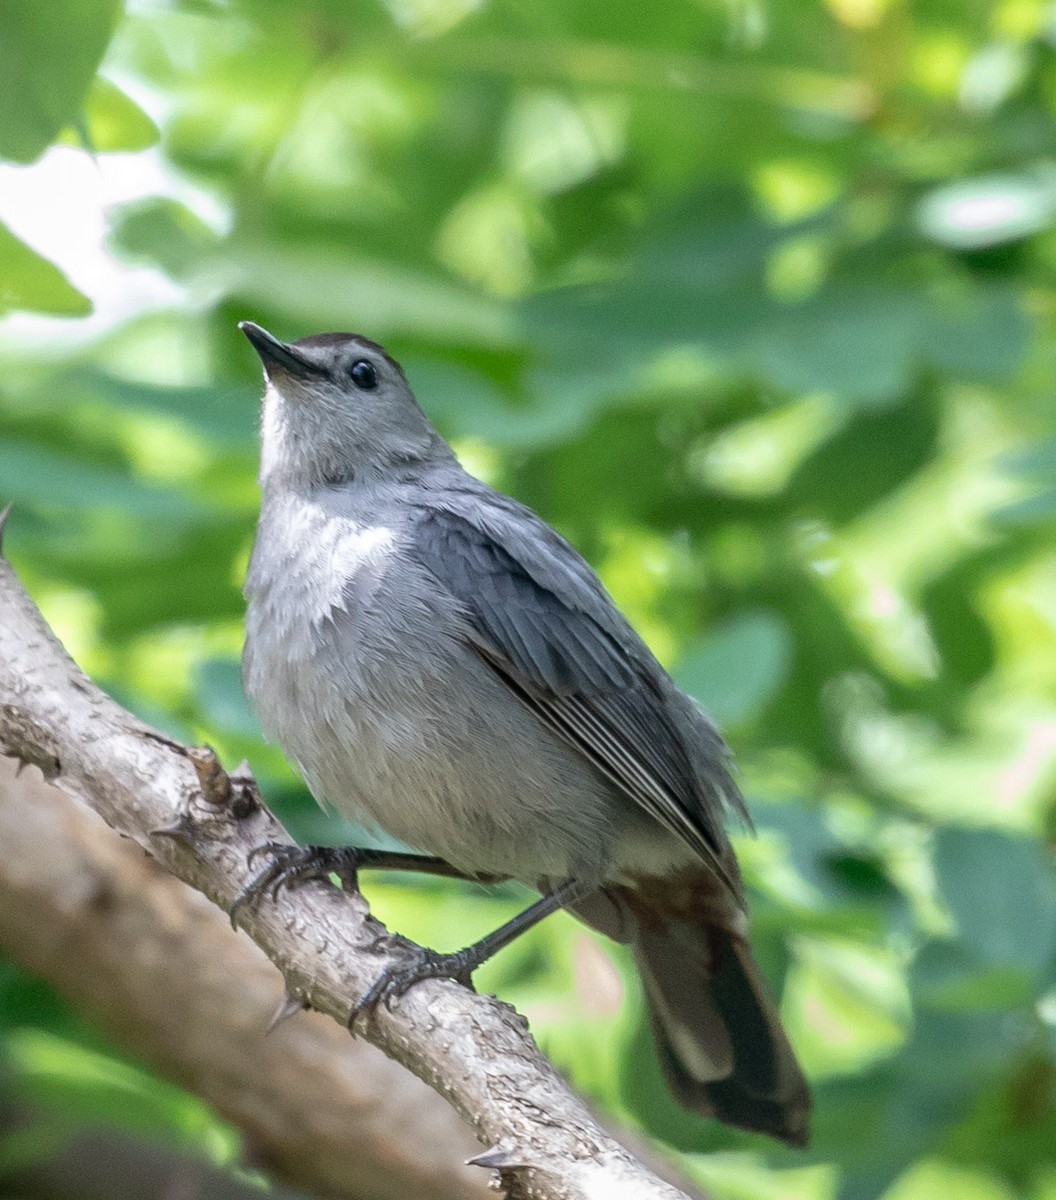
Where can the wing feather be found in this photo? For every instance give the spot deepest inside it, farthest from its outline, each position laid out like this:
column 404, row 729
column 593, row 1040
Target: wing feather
column 542, row 621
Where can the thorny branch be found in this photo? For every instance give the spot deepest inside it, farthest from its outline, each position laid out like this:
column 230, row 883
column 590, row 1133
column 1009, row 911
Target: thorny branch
column 201, row 824
column 160, row 970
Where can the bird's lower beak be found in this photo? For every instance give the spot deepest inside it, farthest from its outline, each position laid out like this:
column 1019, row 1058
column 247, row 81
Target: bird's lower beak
column 276, row 355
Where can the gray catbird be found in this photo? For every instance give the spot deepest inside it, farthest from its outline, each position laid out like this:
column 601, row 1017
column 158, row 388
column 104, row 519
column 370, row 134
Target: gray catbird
column 441, row 664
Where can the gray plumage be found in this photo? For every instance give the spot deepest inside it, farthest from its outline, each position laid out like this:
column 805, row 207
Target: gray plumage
column 442, row 665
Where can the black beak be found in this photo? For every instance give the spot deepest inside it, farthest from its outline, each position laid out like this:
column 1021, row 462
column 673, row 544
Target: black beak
column 275, row 354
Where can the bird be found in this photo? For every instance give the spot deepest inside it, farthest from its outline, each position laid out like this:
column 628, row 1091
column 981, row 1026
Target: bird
column 443, row 666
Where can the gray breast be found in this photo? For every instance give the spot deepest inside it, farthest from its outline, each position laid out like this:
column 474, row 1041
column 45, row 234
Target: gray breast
column 356, row 662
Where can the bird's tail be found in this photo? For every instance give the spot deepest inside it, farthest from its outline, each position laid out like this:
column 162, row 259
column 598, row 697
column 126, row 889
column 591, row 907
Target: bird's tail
column 720, row 1039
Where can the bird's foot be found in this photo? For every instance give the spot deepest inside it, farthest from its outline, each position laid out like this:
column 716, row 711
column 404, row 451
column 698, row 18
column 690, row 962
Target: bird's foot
column 398, row 978
column 292, row 866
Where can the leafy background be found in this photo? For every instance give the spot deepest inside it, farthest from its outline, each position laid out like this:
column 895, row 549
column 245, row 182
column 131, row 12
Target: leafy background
column 755, row 301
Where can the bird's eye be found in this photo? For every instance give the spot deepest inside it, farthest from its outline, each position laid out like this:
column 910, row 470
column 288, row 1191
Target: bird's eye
column 363, row 374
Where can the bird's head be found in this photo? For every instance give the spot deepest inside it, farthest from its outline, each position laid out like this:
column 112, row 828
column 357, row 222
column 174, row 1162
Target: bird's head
column 337, row 407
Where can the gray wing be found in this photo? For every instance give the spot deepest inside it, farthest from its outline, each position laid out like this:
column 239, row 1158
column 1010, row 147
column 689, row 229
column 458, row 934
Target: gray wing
column 541, row 619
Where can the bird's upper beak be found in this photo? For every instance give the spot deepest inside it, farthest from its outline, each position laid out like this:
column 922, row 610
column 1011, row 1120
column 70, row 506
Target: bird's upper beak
column 276, row 355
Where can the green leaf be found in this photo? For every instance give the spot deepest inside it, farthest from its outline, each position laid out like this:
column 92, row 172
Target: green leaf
column 947, row 976
column 1035, row 463
column 465, row 404
column 82, row 1085
column 30, row 282
column 163, row 232
column 218, row 685
column 977, row 333
column 1032, row 510
column 49, row 53
column 114, row 121
column 1001, row 893
column 1036, row 458
column 857, row 341
column 53, row 482
column 867, row 459
column 739, row 667
column 326, row 286
column 228, row 415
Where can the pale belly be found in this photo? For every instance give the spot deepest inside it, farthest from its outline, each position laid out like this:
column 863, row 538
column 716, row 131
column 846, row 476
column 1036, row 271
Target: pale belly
column 418, row 738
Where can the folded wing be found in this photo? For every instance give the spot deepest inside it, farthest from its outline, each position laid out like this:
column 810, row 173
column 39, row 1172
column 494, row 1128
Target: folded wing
column 542, row 621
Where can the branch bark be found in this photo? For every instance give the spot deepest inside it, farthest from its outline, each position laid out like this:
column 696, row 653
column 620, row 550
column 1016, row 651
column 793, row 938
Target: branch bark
column 160, row 969
column 201, row 824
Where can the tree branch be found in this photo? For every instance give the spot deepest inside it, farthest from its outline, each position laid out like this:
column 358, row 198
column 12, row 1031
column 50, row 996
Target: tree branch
column 201, row 824
column 161, row 970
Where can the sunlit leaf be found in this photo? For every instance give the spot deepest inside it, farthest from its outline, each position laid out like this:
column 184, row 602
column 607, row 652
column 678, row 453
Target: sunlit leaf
column 28, row 281
column 80, row 1083
column 974, row 213
column 48, row 55
column 114, row 121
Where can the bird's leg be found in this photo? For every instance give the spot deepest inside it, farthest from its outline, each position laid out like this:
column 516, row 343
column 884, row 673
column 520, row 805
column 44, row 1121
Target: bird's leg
column 423, row 864
column 291, row 866
column 423, row 963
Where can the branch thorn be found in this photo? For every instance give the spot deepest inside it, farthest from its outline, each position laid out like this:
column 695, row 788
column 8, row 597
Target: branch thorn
column 498, row 1158
column 183, row 829
column 289, row 1006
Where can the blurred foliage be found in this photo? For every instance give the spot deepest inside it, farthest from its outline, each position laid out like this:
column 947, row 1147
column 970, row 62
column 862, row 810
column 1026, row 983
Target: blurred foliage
column 755, row 302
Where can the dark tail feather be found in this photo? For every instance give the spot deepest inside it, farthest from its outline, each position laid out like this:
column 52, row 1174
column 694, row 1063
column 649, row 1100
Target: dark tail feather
column 720, row 1039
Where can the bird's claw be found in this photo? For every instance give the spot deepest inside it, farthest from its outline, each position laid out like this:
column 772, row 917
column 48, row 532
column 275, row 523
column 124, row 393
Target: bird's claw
column 396, row 979
column 291, row 867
